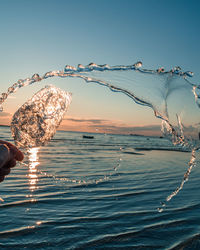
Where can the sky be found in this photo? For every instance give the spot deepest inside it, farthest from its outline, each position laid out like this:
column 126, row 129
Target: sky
column 42, row 35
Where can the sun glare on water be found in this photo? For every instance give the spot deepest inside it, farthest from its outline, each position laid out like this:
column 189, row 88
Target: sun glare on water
column 34, row 162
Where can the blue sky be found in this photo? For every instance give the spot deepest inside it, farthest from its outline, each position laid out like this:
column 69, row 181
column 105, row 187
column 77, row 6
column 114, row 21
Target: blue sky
column 42, row 35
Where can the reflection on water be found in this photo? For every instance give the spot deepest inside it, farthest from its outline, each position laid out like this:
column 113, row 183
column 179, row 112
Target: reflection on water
column 33, row 163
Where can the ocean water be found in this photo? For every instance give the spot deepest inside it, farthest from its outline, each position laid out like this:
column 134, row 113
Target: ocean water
column 101, row 193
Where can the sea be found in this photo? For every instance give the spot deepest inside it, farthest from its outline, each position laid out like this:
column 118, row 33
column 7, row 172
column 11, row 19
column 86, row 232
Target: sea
column 100, row 191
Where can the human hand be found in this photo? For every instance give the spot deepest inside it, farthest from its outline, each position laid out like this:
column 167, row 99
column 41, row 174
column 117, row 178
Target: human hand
column 9, row 154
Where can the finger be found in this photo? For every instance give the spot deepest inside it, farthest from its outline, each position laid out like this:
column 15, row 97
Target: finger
column 11, row 163
column 7, row 143
column 18, row 155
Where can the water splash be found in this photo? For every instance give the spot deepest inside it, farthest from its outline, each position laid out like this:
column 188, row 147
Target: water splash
column 170, row 94
column 151, row 88
column 36, row 121
column 191, row 164
column 33, row 161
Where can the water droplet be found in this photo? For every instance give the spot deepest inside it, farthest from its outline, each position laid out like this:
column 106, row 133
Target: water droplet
column 20, row 83
column 47, row 74
column 69, row 68
column 104, row 66
column 38, row 223
column 4, row 95
column 189, row 73
column 138, row 65
column 89, row 79
column 10, row 90
column 36, row 77
column 15, row 84
column 177, row 68
column 15, row 89
column 160, row 70
column 1, row 199
column 160, row 210
column 80, row 67
column 92, row 65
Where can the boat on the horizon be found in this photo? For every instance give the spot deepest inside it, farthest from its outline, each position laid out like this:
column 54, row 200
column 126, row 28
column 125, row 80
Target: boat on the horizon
column 136, row 135
column 88, row 137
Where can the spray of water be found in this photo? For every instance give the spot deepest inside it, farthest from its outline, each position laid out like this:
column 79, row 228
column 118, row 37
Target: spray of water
column 36, row 121
column 170, row 94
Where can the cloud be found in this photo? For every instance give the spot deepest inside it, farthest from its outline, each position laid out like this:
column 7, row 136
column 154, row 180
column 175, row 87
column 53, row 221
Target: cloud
column 108, row 126
column 151, row 129
column 94, row 121
column 139, row 128
column 4, row 114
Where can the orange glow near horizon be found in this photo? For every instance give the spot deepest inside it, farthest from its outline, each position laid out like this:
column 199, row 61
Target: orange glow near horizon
column 97, row 125
column 116, row 118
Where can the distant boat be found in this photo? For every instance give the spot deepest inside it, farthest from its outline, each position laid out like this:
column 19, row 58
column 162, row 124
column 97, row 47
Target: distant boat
column 88, row 137
column 135, row 135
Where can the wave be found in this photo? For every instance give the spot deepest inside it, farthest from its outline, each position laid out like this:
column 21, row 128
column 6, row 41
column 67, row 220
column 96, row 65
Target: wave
column 131, row 238
column 163, row 149
column 191, row 243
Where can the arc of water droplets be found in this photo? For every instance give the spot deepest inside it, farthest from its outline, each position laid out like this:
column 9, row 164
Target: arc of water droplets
column 70, row 71
column 78, row 181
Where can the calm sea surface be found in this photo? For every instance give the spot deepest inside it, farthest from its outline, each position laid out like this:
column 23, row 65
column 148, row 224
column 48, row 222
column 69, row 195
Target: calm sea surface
column 79, row 193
